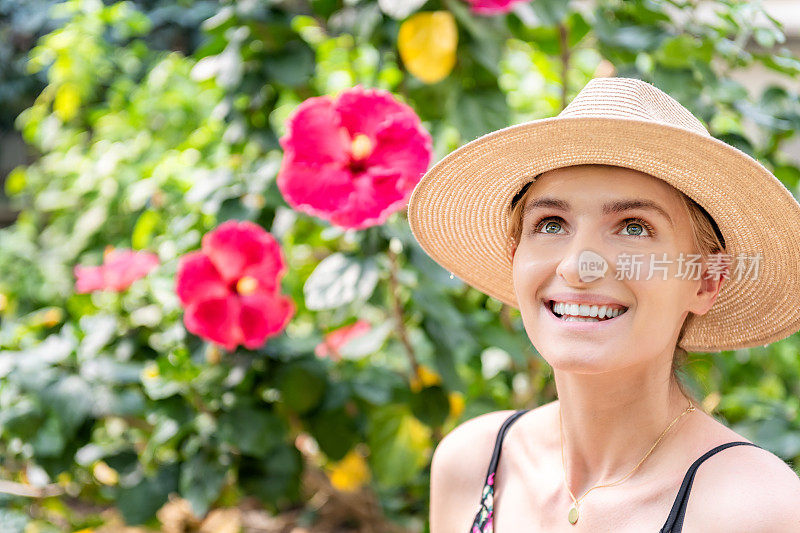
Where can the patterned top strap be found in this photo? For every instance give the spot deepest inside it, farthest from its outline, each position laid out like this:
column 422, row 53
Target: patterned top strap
column 483, row 518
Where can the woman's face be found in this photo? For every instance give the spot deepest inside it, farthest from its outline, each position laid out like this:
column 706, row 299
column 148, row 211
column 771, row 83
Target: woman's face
column 576, row 212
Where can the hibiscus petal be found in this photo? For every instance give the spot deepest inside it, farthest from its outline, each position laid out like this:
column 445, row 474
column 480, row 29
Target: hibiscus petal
column 372, row 203
column 402, row 148
column 123, row 267
column 366, row 110
column 317, row 190
column 314, row 133
column 197, row 279
column 216, row 320
column 372, row 182
column 237, row 248
column 263, row 315
column 339, row 337
column 88, row 278
column 492, row 7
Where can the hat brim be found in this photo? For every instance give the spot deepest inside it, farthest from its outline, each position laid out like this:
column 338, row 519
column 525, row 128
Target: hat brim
column 458, row 212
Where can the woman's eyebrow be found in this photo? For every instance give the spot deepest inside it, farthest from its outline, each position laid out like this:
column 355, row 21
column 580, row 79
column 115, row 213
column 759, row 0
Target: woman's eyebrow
column 617, row 206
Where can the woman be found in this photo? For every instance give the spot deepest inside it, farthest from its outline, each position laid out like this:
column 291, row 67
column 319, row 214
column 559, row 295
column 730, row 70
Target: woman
column 553, row 217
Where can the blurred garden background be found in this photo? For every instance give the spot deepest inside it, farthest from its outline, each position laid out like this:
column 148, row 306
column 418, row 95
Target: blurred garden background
column 213, row 315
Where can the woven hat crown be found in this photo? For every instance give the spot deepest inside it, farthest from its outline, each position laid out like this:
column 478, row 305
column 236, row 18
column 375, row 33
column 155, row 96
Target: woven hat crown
column 631, row 98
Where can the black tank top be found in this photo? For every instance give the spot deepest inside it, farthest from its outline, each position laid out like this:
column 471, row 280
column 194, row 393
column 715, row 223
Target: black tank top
column 483, row 518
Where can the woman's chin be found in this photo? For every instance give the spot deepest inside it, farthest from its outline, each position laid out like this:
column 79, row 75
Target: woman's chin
column 580, row 362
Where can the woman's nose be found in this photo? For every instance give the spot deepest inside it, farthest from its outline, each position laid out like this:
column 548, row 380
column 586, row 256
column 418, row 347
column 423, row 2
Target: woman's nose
column 582, row 258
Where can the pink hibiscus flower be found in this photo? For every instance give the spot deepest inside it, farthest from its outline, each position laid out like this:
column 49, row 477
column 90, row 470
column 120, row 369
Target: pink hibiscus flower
column 120, row 268
column 492, row 7
column 230, row 288
column 353, row 160
column 339, row 337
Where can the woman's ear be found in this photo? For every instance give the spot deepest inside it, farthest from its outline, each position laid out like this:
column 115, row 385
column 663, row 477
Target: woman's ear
column 707, row 293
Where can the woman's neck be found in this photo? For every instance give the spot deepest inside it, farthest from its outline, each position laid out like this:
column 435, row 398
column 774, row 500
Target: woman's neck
column 610, row 421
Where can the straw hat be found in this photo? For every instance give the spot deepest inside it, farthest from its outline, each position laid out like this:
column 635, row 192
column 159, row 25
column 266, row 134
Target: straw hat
column 458, row 212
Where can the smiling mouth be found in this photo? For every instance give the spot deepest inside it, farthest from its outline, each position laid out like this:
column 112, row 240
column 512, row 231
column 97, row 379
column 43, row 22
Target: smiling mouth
column 584, row 317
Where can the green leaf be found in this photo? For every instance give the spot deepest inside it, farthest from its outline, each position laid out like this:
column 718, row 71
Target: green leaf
column 550, row 12
column 12, row 521
column 144, row 229
column 683, row 51
column 431, row 405
column 201, row 480
column 789, row 175
column 302, row 385
column 50, row 439
column 339, row 280
column 22, row 419
column 292, row 66
column 375, row 385
column 479, row 111
column 253, row 431
column 399, row 445
column 335, row 431
column 368, row 343
column 139, row 503
column 274, row 477
column 578, row 29
column 71, row 398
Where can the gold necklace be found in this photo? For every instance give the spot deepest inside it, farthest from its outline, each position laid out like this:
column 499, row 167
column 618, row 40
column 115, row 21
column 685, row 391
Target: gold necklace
column 573, row 512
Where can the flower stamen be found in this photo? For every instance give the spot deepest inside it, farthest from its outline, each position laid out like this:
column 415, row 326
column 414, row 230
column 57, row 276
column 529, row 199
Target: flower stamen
column 361, row 146
column 246, row 285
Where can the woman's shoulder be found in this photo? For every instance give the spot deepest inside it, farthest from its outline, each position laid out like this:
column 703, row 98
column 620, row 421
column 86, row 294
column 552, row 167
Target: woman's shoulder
column 466, row 450
column 746, row 488
column 473, row 440
column 458, row 470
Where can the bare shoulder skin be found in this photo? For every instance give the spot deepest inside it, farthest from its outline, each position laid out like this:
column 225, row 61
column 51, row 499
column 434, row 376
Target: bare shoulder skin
column 458, row 469
column 744, row 489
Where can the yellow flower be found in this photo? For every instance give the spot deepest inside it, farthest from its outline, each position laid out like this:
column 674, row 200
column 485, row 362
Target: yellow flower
column 52, row 317
column 67, row 102
column 351, row 473
column 105, row 474
column 417, row 433
column 427, row 43
column 150, row 371
column 456, row 404
column 426, row 377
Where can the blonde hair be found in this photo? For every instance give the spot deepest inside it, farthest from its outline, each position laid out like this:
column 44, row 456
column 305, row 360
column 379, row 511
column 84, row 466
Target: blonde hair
column 706, row 236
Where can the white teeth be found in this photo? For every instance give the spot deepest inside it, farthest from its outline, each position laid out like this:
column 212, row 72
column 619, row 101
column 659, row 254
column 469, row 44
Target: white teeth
column 580, row 319
column 586, row 311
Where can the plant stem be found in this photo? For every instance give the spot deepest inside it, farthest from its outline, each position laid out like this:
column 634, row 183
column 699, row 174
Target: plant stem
column 29, row 491
column 563, row 35
column 394, row 289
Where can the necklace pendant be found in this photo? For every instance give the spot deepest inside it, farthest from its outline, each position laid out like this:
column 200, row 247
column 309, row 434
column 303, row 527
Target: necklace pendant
column 573, row 514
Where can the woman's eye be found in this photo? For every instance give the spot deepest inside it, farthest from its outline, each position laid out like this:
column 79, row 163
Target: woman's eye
column 552, row 227
column 634, row 227
column 637, row 226
column 548, row 224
